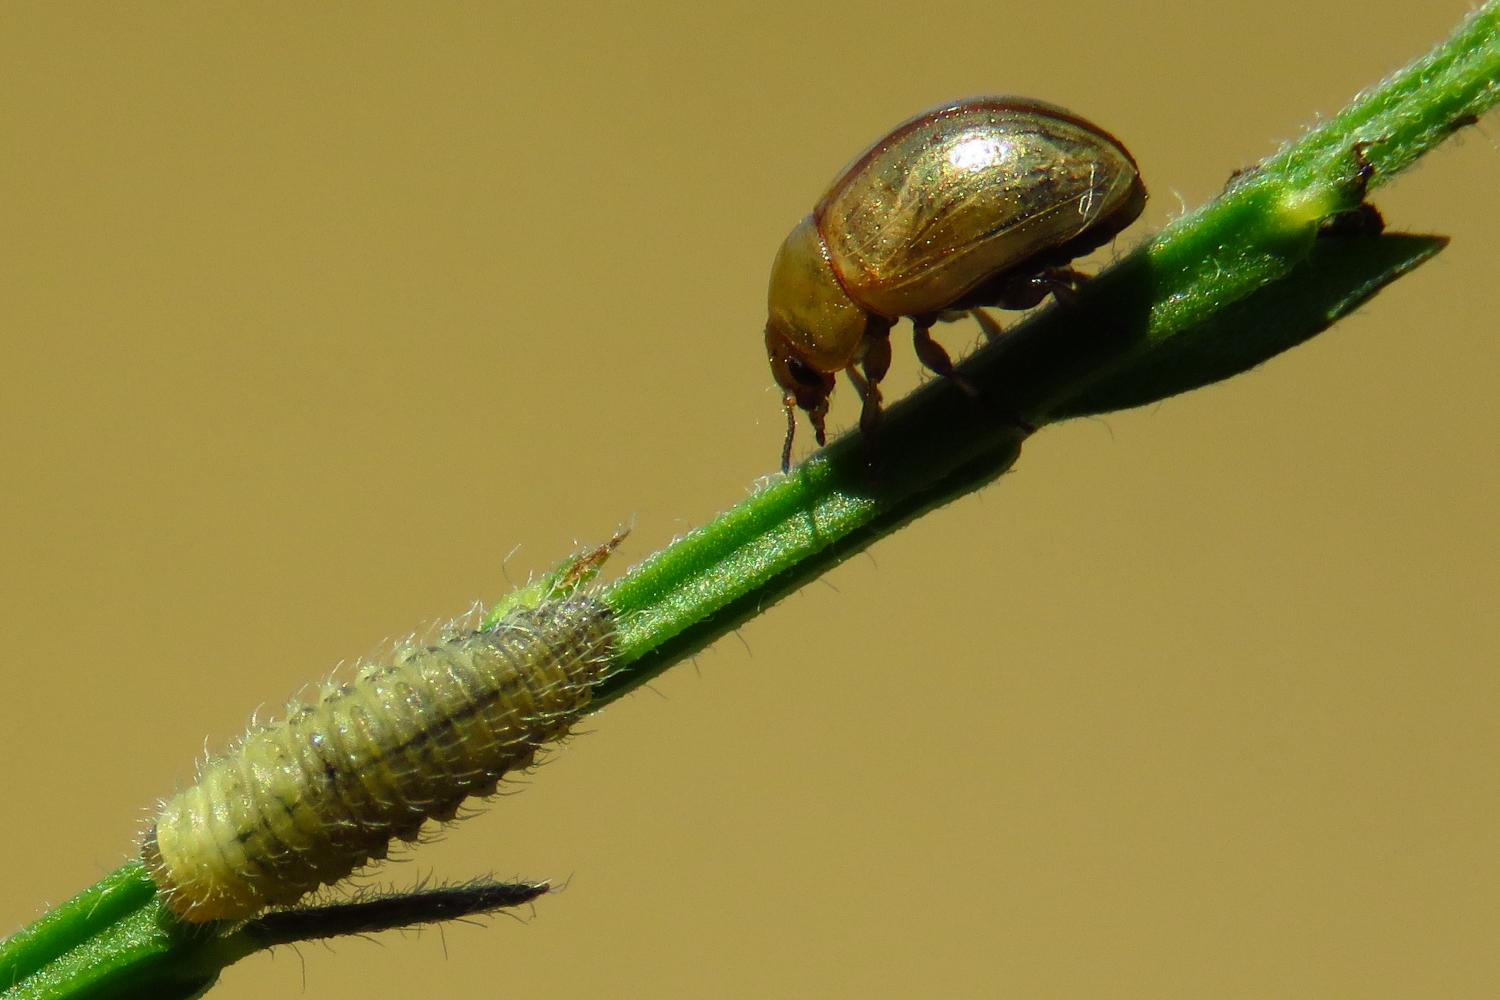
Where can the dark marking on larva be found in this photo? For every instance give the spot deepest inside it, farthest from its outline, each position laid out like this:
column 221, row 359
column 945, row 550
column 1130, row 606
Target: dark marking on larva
column 305, row 801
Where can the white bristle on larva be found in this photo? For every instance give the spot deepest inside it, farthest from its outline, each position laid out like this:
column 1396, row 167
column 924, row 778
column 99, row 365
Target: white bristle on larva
column 305, row 801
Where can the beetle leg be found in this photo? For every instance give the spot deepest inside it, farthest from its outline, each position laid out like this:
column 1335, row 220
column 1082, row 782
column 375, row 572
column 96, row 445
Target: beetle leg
column 1364, row 170
column 863, row 387
column 870, row 399
column 1064, row 282
column 1028, row 291
column 873, row 362
column 1025, row 292
column 875, row 355
column 869, row 366
column 1065, row 277
column 935, row 357
column 1363, row 220
column 988, row 325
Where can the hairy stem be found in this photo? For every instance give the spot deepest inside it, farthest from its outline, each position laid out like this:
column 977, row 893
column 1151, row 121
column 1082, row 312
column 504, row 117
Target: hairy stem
column 1219, row 291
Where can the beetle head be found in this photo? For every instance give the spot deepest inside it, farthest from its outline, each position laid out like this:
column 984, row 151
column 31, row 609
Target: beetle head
column 801, row 384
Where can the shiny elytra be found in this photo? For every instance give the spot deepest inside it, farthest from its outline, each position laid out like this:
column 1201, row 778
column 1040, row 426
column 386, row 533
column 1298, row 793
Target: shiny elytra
column 979, row 202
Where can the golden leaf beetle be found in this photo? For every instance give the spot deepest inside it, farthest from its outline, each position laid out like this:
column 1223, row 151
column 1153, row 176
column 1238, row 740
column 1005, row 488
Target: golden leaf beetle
column 978, row 202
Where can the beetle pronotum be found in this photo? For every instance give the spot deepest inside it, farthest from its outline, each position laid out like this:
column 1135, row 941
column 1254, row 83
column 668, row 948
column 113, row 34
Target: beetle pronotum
column 979, row 202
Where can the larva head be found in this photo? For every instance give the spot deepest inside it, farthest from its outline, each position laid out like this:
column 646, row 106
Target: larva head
column 814, row 328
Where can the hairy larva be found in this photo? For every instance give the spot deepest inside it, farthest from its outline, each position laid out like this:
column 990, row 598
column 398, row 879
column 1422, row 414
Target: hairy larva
column 306, row 800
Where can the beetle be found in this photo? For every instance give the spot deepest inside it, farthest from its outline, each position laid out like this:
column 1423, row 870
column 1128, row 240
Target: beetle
column 978, row 202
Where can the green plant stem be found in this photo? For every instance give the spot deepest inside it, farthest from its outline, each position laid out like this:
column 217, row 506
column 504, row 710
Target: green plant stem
column 120, row 893
column 1217, row 292
column 1157, row 323
column 939, row 445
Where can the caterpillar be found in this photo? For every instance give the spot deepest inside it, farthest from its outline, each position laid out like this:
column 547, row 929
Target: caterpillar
column 306, row 800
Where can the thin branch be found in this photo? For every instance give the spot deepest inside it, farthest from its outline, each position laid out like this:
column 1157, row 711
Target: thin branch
column 1220, row 290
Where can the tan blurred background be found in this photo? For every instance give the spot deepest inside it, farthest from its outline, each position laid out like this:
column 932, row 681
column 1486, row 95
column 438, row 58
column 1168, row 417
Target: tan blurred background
column 311, row 316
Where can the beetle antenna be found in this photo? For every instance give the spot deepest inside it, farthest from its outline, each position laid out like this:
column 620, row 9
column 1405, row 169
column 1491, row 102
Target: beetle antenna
column 791, row 430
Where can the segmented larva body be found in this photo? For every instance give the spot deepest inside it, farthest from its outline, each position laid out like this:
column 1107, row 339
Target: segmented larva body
column 305, row 801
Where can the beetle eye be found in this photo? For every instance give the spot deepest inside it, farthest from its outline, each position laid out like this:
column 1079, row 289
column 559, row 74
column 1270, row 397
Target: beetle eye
column 803, row 373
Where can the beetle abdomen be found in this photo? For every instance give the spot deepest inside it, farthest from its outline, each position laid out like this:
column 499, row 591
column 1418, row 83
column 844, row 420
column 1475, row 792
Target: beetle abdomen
column 305, row 801
column 967, row 191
